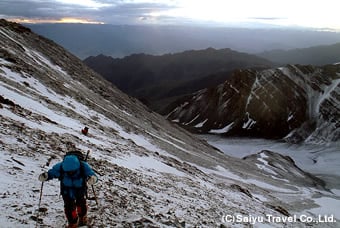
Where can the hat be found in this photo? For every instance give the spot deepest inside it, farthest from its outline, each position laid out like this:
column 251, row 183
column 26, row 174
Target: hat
column 70, row 163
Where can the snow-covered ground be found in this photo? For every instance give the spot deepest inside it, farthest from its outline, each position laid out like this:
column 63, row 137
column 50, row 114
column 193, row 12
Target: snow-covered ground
column 133, row 169
column 316, row 159
column 320, row 160
column 20, row 167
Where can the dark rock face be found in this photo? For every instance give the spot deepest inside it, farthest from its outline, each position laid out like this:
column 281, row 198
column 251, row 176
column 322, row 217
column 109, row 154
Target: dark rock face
column 158, row 79
column 300, row 102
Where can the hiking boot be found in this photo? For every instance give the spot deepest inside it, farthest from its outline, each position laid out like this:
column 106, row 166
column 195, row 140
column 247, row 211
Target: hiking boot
column 83, row 221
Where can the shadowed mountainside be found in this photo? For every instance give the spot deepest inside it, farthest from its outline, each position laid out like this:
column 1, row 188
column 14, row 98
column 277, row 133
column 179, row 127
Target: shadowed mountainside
column 300, row 102
column 158, row 79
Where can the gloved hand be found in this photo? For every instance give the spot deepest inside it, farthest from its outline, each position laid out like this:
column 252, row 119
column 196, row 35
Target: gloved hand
column 43, row 177
column 92, row 180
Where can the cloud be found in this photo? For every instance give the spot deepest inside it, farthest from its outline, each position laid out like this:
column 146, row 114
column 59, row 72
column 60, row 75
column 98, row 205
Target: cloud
column 16, row 8
column 116, row 12
column 210, row 12
column 132, row 12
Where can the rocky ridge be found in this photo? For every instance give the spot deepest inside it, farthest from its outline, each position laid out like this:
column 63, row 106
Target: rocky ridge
column 300, row 103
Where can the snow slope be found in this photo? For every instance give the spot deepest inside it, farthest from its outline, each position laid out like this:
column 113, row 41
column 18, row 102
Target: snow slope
column 152, row 173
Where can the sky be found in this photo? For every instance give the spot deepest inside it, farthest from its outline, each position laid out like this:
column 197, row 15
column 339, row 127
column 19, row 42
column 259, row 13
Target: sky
column 292, row 13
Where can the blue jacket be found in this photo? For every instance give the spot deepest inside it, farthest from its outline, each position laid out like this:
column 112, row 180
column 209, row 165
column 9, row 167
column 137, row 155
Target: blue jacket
column 71, row 186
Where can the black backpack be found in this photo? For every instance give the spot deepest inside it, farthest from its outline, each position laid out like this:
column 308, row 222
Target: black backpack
column 77, row 153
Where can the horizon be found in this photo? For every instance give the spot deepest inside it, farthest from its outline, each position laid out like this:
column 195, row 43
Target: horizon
column 120, row 41
column 215, row 13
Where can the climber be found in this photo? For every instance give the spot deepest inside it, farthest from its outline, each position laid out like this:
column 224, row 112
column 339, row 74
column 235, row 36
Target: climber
column 85, row 130
column 74, row 175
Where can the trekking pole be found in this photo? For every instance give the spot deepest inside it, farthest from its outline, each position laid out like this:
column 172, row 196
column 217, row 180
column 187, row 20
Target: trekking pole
column 41, row 190
column 94, row 192
column 87, row 155
column 95, row 195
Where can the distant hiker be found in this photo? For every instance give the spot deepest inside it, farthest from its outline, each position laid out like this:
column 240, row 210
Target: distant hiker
column 73, row 173
column 85, row 130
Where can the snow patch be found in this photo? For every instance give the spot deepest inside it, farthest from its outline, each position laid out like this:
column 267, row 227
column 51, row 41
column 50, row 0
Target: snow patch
column 201, row 124
column 223, row 130
column 191, row 121
column 249, row 123
column 290, row 116
column 265, row 166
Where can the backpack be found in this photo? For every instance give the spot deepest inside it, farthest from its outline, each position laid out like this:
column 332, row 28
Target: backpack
column 77, row 153
column 81, row 158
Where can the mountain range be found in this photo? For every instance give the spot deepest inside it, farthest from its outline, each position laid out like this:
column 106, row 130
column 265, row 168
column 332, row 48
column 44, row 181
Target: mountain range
column 151, row 172
column 158, row 80
column 118, row 41
column 317, row 55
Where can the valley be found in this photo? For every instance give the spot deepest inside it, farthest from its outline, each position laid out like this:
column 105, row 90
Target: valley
column 320, row 160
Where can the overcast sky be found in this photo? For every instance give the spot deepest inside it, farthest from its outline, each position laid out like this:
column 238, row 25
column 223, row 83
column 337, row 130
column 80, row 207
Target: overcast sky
column 305, row 13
